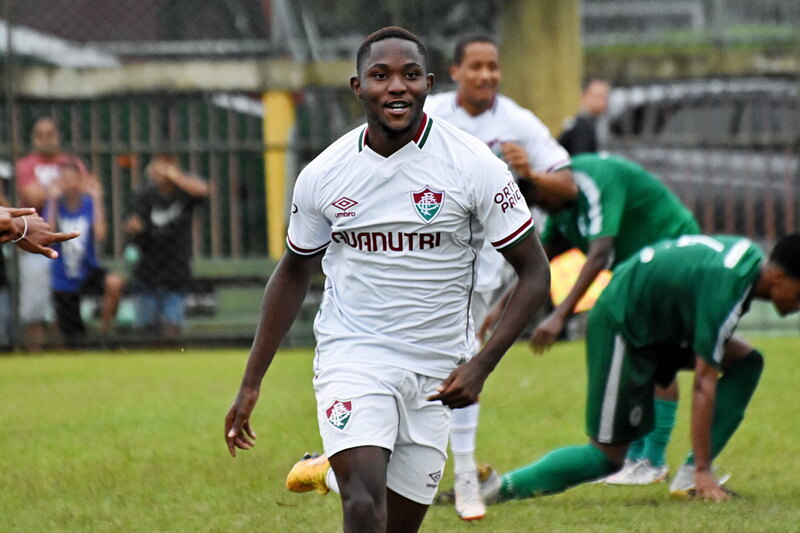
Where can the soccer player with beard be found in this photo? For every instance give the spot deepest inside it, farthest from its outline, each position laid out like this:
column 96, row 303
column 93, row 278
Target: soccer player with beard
column 517, row 136
column 395, row 212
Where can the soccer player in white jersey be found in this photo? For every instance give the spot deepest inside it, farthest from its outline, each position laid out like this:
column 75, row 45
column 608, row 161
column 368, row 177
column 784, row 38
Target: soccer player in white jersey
column 516, row 135
column 395, row 211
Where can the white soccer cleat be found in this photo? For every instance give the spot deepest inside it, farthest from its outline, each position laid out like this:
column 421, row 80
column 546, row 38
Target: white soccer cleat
column 490, row 483
column 683, row 484
column 640, row 472
column 469, row 502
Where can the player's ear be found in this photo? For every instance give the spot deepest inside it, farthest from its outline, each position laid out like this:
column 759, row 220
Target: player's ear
column 355, row 85
column 431, row 79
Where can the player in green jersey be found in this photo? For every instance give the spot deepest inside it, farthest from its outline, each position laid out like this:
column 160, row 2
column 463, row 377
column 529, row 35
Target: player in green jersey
column 673, row 305
column 618, row 209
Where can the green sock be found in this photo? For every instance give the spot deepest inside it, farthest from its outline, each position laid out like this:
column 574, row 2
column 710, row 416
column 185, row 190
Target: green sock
column 655, row 447
column 556, row 472
column 636, row 450
column 734, row 390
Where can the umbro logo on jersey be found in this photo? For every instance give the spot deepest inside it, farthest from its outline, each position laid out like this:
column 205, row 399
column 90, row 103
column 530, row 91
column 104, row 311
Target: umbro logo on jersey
column 428, row 203
column 344, row 203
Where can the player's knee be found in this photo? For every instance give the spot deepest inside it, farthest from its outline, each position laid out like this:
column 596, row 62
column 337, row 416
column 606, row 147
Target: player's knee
column 363, row 507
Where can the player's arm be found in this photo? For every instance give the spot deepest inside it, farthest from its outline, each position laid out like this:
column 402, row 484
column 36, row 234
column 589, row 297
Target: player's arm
column 464, row 384
column 704, row 394
column 559, row 182
column 601, row 253
column 283, row 297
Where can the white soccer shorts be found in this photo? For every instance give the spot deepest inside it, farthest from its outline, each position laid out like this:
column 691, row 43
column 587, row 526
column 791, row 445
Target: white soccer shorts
column 386, row 407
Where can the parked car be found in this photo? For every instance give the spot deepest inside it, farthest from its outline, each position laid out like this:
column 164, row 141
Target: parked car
column 728, row 147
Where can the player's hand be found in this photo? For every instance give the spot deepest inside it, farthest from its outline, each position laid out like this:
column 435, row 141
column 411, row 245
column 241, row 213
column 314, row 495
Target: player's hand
column 8, row 225
column 238, row 433
column 546, row 333
column 38, row 236
column 517, row 158
column 462, row 387
column 707, row 488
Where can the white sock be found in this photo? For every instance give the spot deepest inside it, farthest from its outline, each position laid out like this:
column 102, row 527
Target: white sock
column 330, row 480
column 463, row 429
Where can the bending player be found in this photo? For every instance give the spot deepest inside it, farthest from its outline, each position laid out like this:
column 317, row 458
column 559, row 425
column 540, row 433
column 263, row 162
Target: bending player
column 618, row 209
column 671, row 306
column 519, row 137
column 393, row 336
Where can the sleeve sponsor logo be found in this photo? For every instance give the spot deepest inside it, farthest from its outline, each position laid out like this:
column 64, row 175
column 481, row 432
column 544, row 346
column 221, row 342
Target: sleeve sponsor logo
column 508, row 197
column 428, row 203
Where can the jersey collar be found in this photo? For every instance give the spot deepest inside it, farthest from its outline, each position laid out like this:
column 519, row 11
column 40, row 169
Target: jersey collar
column 420, row 138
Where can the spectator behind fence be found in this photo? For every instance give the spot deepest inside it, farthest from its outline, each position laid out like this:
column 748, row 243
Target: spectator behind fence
column 76, row 204
column 580, row 132
column 160, row 227
column 35, row 174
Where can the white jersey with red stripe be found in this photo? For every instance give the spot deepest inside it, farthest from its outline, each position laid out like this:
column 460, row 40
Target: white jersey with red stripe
column 401, row 236
column 505, row 121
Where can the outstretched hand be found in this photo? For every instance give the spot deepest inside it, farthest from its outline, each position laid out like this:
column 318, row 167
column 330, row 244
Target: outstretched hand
column 238, row 433
column 36, row 237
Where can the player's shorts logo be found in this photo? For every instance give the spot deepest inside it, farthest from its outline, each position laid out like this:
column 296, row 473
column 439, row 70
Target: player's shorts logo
column 339, row 413
column 435, row 477
column 428, row 203
column 635, row 416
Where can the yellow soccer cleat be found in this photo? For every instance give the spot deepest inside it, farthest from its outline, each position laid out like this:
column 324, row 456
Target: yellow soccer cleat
column 309, row 474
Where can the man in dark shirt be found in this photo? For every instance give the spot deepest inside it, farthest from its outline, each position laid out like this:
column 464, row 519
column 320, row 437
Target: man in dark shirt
column 160, row 226
column 580, row 135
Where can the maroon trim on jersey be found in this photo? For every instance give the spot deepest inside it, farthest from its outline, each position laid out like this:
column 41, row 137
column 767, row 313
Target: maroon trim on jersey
column 421, row 127
column 521, row 229
column 304, row 251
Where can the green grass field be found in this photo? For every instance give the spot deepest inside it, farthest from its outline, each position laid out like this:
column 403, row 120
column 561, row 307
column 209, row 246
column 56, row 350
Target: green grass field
column 134, row 442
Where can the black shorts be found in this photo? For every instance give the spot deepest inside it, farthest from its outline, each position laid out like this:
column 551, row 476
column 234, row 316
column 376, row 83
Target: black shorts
column 68, row 304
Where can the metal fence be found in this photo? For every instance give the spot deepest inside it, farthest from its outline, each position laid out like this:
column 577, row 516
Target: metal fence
column 705, row 95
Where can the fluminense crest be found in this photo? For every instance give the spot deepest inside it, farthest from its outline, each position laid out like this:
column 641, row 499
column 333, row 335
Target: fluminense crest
column 339, row 413
column 428, row 203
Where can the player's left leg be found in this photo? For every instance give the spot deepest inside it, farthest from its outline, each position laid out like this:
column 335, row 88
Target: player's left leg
column 404, row 515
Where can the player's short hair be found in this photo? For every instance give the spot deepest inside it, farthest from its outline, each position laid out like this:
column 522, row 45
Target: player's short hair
column 786, row 254
column 461, row 45
column 389, row 32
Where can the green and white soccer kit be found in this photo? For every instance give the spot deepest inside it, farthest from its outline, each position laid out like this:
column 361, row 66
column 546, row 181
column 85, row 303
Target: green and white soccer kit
column 401, row 236
column 668, row 303
column 618, row 198
column 505, row 121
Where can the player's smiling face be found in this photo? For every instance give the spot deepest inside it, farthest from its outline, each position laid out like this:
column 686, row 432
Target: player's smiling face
column 393, row 86
column 478, row 76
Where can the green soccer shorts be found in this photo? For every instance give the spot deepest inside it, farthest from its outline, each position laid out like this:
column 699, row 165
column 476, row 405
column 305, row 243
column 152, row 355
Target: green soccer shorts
column 621, row 379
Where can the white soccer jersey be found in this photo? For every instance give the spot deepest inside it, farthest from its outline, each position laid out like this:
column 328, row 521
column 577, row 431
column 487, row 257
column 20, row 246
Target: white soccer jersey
column 401, row 236
column 505, row 121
